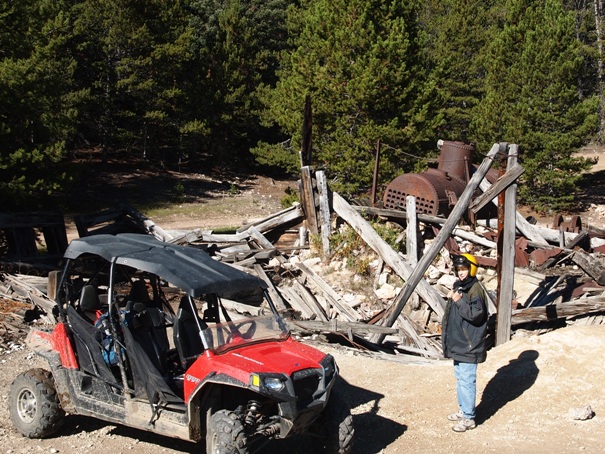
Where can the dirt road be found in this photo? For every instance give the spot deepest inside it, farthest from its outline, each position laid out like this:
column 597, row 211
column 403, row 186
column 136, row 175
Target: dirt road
column 526, row 390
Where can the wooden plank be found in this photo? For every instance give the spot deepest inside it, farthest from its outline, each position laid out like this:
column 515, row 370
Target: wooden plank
column 385, row 252
column 296, row 302
column 308, row 199
column 310, row 300
column 411, row 234
column 31, row 293
column 507, row 278
column 147, row 223
column 324, row 211
column 554, row 312
column 206, row 236
column 528, row 230
column 283, row 217
column 511, row 175
column 339, row 326
column 459, row 209
column 273, row 293
column 546, row 233
column 334, row 298
column 411, row 231
column 401, row 217
column 425, row 347
column 591, row 265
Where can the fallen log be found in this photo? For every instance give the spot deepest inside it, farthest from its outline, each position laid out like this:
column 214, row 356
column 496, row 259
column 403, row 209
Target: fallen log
column 386, row 253
column 338, row 326
column 558, row 311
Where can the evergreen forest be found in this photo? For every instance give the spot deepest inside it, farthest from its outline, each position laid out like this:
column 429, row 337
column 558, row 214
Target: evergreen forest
column 225, row 81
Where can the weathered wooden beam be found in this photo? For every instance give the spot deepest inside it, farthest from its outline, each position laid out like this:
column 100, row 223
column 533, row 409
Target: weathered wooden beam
column 343, row 308
column 459, row 209
column 147, row 223
column 324, row 211
column 206, row 236
column 13, row 285
column 273, row 293
column 309, row 299
column 593, row 266
column 531, row 232
column 545, row 233
column 283, row 217
column 307, row 197
column 554, row 312
column 338, row 326
column 507, row 277
column 401, row 217
column 386, row 252
column 511, row 175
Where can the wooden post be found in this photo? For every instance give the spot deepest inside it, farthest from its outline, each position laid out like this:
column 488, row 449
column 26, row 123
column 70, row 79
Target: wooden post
column 376, row 168
column 459, row 209
column 324, row 211
column 411, row 235
column 506, row 282
column 307, row 198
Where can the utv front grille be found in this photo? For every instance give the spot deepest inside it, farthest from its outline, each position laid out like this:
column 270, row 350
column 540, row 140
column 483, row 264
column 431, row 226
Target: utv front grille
column 306, row 382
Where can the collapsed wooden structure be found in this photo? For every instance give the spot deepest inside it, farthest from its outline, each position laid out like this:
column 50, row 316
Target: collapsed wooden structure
column 564, row 268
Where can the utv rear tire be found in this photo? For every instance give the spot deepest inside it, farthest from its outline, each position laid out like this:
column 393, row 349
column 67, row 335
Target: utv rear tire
column 333, row 431
column 225, row 434
column 33, row 404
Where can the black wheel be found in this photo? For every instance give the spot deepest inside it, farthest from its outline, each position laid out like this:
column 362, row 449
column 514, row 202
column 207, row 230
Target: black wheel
column 33, row 404
column 333, row 431
column 225, row 434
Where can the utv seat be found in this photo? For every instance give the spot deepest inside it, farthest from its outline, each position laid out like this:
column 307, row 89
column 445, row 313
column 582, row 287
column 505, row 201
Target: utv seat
column 187, row 336
column 149, row 331
column 90, row 304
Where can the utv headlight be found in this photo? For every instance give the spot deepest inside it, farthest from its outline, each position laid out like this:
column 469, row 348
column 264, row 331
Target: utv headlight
column 273, row 384
column 329, row 366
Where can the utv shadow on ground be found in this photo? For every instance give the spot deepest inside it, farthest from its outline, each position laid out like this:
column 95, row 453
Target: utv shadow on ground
column 373, row 433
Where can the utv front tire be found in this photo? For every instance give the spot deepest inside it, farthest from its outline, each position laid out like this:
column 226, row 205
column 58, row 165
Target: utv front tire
column 225, row 434
column 333, row 431
column 33, row 404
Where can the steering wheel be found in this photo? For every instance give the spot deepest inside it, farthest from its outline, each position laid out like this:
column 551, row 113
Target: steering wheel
column 234, row 331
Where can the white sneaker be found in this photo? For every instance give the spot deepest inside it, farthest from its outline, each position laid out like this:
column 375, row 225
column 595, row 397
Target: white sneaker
column 455, row 416
column 464, row 425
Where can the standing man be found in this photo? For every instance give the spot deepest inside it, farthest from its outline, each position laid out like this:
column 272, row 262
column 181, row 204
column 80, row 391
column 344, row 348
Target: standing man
column 463, row 337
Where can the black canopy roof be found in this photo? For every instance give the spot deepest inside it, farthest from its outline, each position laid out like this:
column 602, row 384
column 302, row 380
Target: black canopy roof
column 190, row 269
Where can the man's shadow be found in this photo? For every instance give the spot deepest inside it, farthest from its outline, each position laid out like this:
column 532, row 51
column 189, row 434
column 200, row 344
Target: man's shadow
column 508, row 384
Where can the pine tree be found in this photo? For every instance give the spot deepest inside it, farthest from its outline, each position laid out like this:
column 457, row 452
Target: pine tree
column 456, row 33
column 40, row 100
column 533, row 64
column 135, row 56
column 236, row 45
column 359, row 61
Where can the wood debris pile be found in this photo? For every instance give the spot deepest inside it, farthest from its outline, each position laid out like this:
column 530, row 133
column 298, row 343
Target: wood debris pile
column 550, row 275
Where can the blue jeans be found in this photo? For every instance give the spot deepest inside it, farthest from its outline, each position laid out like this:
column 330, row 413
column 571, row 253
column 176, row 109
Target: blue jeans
column 466, row 387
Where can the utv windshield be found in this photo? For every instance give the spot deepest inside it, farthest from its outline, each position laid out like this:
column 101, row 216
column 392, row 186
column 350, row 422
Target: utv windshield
column 227, row 335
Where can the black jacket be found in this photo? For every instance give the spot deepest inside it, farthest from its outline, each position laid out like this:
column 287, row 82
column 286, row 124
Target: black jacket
column 465, row 324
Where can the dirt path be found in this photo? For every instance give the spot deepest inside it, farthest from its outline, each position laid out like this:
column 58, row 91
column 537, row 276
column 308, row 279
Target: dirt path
column 526, row 389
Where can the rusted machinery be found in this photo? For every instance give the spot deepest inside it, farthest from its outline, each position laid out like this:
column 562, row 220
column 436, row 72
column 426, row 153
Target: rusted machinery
column 436, row 190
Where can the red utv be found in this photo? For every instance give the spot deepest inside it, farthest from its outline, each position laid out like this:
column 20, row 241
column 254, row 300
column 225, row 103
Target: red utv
column 144, row 340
